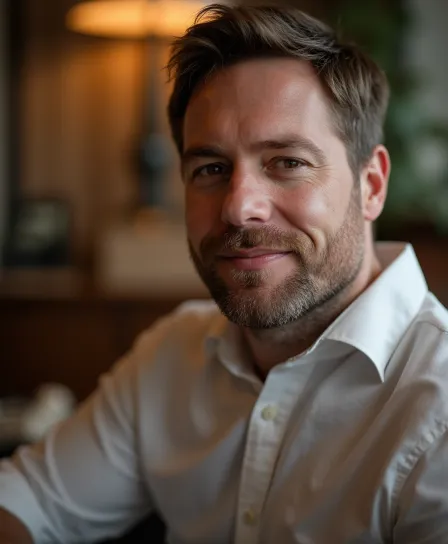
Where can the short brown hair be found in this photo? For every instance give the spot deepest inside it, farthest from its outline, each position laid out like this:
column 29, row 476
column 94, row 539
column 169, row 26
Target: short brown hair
column 224, row 35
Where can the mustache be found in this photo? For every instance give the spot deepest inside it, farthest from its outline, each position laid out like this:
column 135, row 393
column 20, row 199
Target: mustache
column 235, row 238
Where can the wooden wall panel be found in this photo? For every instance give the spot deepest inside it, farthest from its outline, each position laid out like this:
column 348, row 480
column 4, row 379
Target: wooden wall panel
column 80, row 119
column 4, row 120
column 82, row 116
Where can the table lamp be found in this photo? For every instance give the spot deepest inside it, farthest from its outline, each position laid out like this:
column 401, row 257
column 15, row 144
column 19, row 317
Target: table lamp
column 155, row 22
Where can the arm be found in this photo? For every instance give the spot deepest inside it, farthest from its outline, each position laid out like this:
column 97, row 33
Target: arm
column 12, row 530
column 422, row 516
column 83, row 482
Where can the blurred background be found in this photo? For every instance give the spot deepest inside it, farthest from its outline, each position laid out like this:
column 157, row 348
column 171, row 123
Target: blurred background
column 91, row 202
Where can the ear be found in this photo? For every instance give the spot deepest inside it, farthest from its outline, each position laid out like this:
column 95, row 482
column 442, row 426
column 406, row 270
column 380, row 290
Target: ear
column 374, row 182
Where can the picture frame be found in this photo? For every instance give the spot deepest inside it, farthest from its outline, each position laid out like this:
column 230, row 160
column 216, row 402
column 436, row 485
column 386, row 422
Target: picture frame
column 39, row 234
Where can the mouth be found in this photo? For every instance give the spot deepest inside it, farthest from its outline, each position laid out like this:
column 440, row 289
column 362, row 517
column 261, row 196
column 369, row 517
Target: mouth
column 251, row 259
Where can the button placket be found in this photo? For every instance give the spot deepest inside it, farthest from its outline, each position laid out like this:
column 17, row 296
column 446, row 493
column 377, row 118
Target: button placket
column 265, row 434
column 269, row 412
column 250, row 517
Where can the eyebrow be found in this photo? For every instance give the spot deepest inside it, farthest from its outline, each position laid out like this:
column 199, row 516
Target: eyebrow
column 287, row 142
column 201, row 151
column 292, row 142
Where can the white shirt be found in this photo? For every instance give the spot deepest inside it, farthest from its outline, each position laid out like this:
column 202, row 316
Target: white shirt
column 345, row 443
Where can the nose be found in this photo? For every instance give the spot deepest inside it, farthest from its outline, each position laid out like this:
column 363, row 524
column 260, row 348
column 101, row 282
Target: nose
column 246, row 201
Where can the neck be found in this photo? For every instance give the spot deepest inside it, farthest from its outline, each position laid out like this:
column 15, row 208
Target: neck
column 269, row 347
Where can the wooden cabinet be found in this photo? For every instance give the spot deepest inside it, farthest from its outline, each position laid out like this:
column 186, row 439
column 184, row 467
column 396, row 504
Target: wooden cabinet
column 68, row 337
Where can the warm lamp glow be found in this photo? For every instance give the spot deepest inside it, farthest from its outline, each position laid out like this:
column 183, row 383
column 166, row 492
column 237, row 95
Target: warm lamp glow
column 133, row 18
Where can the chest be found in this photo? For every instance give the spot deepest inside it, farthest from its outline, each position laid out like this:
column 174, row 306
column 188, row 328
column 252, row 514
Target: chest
column 293, row 463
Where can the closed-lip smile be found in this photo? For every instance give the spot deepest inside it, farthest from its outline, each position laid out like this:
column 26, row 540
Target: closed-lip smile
column 253, row 259
column 250, row 253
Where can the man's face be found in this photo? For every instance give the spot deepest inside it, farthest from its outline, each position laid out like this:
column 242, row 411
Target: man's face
column 273, row 213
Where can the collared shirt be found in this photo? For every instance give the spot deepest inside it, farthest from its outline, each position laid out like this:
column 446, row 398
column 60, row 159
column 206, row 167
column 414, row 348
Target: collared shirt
column 345, row 443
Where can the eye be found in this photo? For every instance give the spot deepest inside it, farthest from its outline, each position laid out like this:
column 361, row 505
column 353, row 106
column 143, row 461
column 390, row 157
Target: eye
column 209, row 174
column 214, row 169
column 287, row 168
column 288, row 163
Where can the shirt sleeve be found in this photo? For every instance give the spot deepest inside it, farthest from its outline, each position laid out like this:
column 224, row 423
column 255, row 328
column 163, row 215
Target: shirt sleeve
column 83, row 483
column 422, row 516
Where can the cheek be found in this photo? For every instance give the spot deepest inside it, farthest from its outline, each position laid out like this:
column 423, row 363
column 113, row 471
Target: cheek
column 306, row 208
column 201, row 217
column 315, row 211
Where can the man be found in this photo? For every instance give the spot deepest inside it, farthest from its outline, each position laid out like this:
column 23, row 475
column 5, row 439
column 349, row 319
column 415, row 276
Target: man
column 313, row 409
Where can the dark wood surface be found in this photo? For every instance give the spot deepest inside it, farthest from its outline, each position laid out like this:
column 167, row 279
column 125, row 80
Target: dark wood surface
column 56, row 327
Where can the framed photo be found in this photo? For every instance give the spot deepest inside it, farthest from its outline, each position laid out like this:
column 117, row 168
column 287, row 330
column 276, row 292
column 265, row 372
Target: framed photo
column 39, row 234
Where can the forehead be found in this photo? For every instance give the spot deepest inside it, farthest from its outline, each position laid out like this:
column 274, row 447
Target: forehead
column 245, row 100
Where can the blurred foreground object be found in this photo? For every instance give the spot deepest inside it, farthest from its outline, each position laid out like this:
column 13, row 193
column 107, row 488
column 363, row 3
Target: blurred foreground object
column 24, row 420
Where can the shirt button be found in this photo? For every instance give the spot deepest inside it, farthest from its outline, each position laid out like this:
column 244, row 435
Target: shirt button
column 250, row 517
column 269, row 412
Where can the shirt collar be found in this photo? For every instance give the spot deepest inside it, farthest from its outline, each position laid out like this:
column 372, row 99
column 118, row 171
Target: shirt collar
column 377, row 320
column 224, row 340
column 373, row 324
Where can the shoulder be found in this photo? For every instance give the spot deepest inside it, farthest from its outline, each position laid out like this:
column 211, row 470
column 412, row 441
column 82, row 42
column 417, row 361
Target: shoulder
column 418, row 370
column 162, row 361
column 421, row 396
column 433, row 314
column 191, row 321
column 178, row 338
column 427, row 339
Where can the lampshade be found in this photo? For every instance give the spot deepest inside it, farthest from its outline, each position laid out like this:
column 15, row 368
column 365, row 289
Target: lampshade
column 133, row 18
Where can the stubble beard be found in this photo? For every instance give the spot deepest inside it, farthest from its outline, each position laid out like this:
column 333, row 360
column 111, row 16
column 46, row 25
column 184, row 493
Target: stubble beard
column 256, row 304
